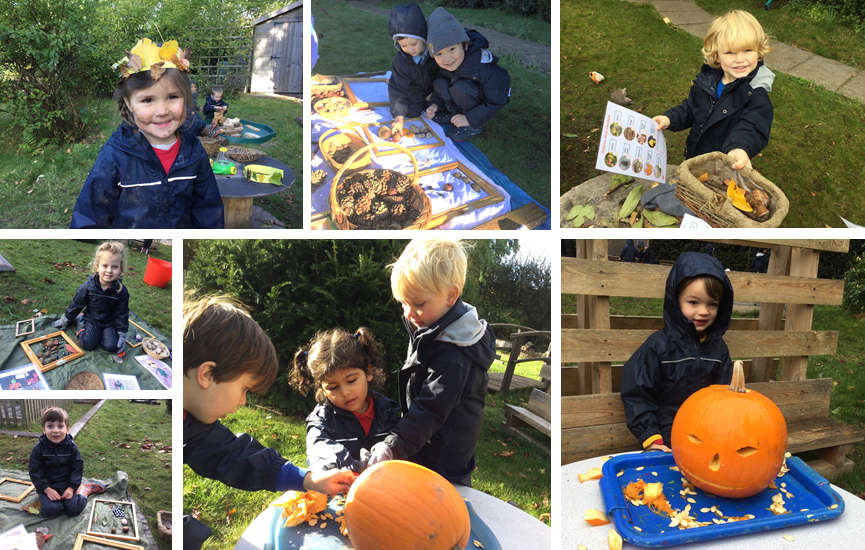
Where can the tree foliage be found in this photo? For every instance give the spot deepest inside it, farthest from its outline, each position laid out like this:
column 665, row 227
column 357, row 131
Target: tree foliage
column 295, row 288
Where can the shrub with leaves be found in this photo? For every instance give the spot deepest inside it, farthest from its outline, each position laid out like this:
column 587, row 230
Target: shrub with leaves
column 854, row 286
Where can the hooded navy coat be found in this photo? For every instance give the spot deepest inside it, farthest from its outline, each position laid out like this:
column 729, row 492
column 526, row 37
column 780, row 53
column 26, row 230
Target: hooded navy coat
column 740, row 119
column 210, row 104
column 443, row 389
column 334, row 436
column 56, row 465
column 492, row 81
column 672, row 364
column 127, row 188
column 410, row 84
column 107, row 308
column 629, row 251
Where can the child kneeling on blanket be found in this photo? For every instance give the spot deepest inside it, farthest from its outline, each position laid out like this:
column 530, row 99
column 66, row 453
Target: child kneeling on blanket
column 56, row 468
column 470, row 87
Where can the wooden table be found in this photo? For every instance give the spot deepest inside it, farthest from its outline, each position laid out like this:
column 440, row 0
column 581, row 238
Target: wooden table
column 238, row 193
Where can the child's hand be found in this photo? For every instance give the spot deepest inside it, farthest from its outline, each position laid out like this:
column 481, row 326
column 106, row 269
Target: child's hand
column 61, row 323
column 68, row 493
column 654, row 447
column 460, row 121
column 329, row 482
column 742, row 159
column 663, row 122
column 397, row 125
column 52, row 494
column 431, row 111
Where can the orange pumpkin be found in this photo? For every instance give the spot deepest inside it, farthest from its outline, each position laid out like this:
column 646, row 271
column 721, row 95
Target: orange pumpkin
column 729, row 441
column 397, row 505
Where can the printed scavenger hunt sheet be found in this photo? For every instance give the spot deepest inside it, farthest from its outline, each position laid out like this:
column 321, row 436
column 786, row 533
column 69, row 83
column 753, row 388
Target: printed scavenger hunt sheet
column 631, row 145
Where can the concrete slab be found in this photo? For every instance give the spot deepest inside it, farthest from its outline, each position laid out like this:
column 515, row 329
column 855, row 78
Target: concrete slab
column 5, row 265
column 688, row 17
column 73, row 431
column 673, row 6
column 855, row 87
column 784, row 58
column 699, row 30
column 830, row 74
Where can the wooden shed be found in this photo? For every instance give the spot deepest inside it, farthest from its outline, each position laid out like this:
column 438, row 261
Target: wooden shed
column 277, row 65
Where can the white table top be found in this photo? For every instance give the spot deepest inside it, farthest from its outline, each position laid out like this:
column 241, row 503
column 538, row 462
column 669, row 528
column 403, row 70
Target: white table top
column 514, row 529
column 845, row 531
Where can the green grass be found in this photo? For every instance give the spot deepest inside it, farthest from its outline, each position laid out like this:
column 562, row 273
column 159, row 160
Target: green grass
column 825, row 38
column 525, row 27
column 48, row 202
column 120, row 422
column 816, row 144
column 516, row 140
column 75, row 412
column 34, row 261
column 524, row 477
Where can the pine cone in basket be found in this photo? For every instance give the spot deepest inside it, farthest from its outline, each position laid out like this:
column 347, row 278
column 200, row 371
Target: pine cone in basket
column 363, row 205
column 347, row 204
column 380, row 209
column 399, row 211
column 368, row 217
column 403, row 183
column 378, row 186
column 357, row 188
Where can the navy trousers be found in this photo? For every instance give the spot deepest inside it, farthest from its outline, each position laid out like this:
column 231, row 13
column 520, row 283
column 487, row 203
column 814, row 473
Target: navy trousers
column 461, row 97
column 71, row 507
column 95, row 334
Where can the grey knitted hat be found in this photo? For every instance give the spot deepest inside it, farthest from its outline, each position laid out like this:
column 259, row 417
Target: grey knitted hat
column 443, row 30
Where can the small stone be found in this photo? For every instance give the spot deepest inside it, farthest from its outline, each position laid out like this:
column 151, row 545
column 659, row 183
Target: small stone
column 113, row 530
column 123, row 521
column 126, row 529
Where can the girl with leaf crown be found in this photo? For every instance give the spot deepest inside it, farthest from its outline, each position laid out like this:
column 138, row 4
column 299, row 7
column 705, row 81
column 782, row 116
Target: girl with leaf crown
column 152, row 172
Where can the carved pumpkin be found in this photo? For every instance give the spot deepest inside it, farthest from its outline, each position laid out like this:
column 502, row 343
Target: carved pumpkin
column 729, row 441
column 398, row 505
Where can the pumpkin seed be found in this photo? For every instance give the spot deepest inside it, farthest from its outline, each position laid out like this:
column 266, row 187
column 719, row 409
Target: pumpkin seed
column 833, row 506
column 675, row 522
column 704, row 510
column 637, row 527
column 692, row 501
column 788, row 537
column 478, row 544
column 620, row 473
column 639, row 468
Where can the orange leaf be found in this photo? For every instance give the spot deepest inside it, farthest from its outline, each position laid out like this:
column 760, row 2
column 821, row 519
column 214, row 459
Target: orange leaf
column 704, row 178
column 233, row 510
column 737, row 196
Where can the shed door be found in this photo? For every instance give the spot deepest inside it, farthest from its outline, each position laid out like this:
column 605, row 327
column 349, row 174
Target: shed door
column 287, row 57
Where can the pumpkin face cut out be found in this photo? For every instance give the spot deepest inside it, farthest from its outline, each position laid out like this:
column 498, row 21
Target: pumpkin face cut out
column 397, row 505
column 729, row 443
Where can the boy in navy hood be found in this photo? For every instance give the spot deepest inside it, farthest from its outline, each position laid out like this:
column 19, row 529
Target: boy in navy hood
column 56, row 468
column 470, row 87
column 443, row 382
column 728, row 108
column 688, row 354
column 412, row 70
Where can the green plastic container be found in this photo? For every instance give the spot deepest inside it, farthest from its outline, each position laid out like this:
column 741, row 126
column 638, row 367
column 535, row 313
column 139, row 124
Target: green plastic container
column 266, row 133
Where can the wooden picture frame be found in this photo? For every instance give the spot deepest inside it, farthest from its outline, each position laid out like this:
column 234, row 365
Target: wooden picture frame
column 132, row 519
column 493, row 196
column 20, row 497
column 82, row 538
column 133, row 343
column 370, row 137
column 62, row 361
column 18, row 327
column 349, row 93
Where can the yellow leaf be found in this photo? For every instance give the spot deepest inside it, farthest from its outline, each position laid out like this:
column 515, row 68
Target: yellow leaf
column 737, row 196
column 167, row 50
column 147, row 51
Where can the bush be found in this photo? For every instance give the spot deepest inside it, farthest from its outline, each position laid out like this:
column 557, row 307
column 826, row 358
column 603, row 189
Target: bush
column 848, row 12
column 854, row 286
column 540, row 8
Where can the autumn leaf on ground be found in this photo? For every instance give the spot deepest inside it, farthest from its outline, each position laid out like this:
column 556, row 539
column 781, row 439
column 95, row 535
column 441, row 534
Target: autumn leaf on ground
column 542, row 517
column 505, row 454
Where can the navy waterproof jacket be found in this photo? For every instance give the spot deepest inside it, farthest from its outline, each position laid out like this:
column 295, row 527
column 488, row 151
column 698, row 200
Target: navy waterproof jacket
column 127, row 188
column 443, row 389
column 209, row 105
column 672, row 364
column 629, row 251
column 646, row 256
column 493, row 82
column 334, row 436
column 409, row 83
column 108, row 308
column 237, row 460
column 58, row 466
column 740, row 119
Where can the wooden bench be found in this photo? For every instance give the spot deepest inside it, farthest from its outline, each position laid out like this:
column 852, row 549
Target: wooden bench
column 536, row 414
column 508, row 380
column 592, row 415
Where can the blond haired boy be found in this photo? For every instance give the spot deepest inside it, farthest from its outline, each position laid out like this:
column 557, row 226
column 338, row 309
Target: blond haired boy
column 443, row 382
column 728, row 109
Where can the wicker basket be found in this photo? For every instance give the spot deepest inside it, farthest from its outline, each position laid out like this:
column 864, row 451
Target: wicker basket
column 339, row 137
column 244, row 154
column 342, row 106
column 85, row 380
column 716, row 209
column 414, row 196
column 154, row 354
column 324, row 83
column 210, row 144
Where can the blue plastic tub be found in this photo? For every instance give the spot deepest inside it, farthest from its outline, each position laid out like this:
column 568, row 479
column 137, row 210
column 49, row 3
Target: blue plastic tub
column 811, row 493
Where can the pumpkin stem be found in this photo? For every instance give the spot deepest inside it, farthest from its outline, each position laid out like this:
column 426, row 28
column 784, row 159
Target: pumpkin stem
column 738, row 383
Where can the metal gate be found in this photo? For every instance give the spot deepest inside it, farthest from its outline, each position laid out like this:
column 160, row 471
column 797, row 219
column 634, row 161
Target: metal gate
column 221, row 56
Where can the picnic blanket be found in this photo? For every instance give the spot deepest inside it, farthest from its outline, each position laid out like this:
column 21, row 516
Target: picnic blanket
column 98, row 361
column 499, row 196
column 66, row 529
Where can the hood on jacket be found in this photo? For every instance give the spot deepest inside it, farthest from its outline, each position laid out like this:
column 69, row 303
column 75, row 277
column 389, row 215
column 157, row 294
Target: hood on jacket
column 470, row 334
column 629, row 241
column 93, row 278
column 761, row 77
column 693, row 264
column 131, row 142
column 407, row 22
column 45, row 441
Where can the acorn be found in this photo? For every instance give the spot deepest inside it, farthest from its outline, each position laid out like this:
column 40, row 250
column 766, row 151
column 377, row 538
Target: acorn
column 449, row 187
column 126, row 529
column 384, row 132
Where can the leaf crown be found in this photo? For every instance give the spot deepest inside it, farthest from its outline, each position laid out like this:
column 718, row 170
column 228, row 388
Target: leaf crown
column 149, row 56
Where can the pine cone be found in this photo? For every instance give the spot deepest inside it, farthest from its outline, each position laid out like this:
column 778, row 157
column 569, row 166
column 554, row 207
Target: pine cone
column 380, row 209
column 403, row 183
column 378, row 187
column 363, row 205
column 318, row 177
column 398, row 210
column 347, row 204
column 357, row 188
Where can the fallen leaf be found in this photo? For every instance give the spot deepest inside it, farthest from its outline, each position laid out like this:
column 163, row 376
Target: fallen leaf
column 26, row 302
column 505, row 454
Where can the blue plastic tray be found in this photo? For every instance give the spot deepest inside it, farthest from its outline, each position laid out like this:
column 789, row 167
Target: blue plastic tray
column 810, row 492
column 329, row 538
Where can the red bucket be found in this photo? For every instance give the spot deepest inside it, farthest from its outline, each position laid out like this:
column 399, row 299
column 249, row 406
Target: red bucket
column 158, row 272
